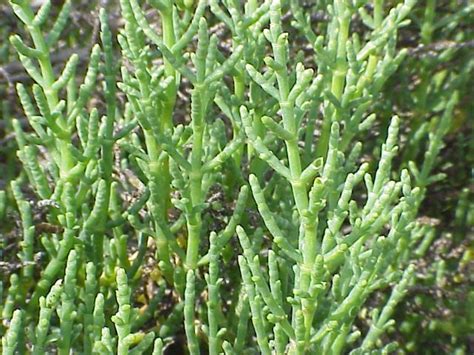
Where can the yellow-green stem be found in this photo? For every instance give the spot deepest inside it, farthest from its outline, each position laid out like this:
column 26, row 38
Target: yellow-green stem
column 166, row 122
column 47, row 72
column 337, row 85
column 194, row 222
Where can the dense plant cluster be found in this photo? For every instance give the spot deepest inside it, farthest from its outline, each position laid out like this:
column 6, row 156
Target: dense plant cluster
column 238, row 177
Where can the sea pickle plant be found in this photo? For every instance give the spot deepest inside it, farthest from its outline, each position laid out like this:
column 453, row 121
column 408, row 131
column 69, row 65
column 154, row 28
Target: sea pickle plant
column 138, row 182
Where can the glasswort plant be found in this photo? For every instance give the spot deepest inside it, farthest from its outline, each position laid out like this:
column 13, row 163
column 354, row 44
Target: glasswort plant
column 217, row 177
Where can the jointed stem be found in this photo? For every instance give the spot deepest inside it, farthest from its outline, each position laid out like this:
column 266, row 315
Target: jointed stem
column 194, row 219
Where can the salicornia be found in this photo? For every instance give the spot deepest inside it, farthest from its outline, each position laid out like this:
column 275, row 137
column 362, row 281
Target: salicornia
column 222, row 176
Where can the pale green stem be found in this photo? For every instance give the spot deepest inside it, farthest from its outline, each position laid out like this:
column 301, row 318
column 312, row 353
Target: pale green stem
column 67, row 160
column 194, row 222
column 337, row 84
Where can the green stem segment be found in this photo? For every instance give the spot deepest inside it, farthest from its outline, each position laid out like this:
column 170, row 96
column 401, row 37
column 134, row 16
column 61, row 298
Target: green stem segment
column 338, row 77
column 194, row 222
column 287, row 105
column 48, row 79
